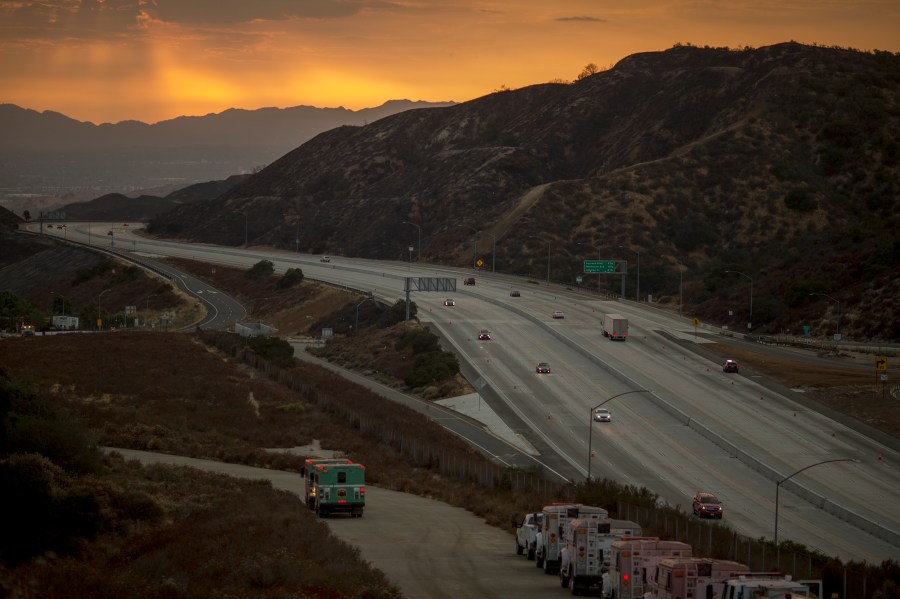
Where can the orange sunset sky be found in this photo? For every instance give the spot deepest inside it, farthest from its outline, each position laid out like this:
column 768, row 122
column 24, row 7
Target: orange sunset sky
column 151, row 60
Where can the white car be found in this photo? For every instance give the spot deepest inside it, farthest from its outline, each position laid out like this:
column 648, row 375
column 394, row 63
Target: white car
column 449, row 302
column 559, row 314
column 602, row 415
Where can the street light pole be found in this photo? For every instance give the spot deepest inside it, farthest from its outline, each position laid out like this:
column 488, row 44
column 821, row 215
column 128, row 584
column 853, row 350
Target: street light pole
column 357, row 312
column 591, row 422
column 298, row 234
column 737, row 272
column 99, row 313
column 245, row 229
column 838, row 332
column 419, row 247
column 778, row 486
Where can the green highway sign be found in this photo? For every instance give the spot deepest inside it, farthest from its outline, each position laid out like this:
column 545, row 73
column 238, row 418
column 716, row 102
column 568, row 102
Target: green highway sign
column 599, row 266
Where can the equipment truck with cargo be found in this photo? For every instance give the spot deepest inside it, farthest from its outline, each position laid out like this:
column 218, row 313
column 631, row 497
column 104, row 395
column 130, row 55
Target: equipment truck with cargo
column 699, row 577
column 633, row 562
column 553, row 531
column 336, row 487
column 585, row 557
column 615, row 326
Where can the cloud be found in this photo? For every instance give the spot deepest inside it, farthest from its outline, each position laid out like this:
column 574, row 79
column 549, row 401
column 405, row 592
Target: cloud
column 224, row 12
column 103, row 19
column 581, row 19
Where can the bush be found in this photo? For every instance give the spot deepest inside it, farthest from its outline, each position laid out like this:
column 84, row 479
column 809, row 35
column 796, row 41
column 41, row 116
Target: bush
column 260, row 269
column 432, row 367
column 276, row 350
column 293, row 276
column 420, row 340
column 801, row 200
column 397, row 313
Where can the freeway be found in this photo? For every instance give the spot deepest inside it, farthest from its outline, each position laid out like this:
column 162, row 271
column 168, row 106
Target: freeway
column 692, row 427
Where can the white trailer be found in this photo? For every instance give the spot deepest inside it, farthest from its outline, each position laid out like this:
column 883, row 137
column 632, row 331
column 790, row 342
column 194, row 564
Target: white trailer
column 633, row 562
column 553, row 531
column 615, row 326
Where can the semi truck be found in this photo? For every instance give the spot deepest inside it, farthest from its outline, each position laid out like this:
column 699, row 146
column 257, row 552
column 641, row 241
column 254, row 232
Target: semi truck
column 553, row 531
column 527, row 532
column 697, row 577
column 615, row 326
column 633, row 562
column 585, row 556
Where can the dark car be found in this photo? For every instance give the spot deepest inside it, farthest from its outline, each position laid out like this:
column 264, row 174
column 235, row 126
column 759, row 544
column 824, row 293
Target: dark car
column 469, row 281
column 449, row 302
column 484, row 335
column 730, row 366
column 707, row 505
column 514, row 294
column 542, row 368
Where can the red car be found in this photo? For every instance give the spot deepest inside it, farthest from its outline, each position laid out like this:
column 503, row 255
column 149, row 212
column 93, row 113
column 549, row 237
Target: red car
column 707, row 505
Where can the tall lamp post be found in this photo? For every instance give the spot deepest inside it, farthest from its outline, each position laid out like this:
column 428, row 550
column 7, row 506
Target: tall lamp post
column 778, row 487
column 548, row 256
column 637, row 289
column 64, row 302
column 418, row 247
column 357, row 312
column 99, row 313
column 838, row 332
column 474, row 245
column 591, row 422
column 737, row 272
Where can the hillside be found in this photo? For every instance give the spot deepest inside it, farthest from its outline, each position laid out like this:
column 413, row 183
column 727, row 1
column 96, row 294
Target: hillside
column 780, row 163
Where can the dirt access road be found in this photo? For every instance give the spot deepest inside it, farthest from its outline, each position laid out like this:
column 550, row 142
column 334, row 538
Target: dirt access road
column 427, row 547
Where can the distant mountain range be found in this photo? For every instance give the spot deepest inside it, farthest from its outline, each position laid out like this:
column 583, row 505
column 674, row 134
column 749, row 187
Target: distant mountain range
column 49, row 153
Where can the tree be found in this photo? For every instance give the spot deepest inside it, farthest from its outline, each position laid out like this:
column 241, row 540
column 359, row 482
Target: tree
column 590, row 69
column 26, row 215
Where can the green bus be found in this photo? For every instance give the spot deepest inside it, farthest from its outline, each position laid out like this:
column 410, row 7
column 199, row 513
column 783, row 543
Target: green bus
column 336, row 488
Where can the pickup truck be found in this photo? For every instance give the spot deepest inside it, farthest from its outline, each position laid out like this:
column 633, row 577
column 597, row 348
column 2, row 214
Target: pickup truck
column 526, row 534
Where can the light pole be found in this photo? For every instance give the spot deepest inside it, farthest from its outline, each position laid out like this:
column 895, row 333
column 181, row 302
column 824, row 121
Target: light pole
column 548, row 256
column 245, row 229
column 591, row 422
column 64, row 302
column 419, row 247
column 737, row 272
column 99, row 313
column 838, row 332
column 474, row 243
column 637, row 289
column 298, row 234
column 778, row 487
